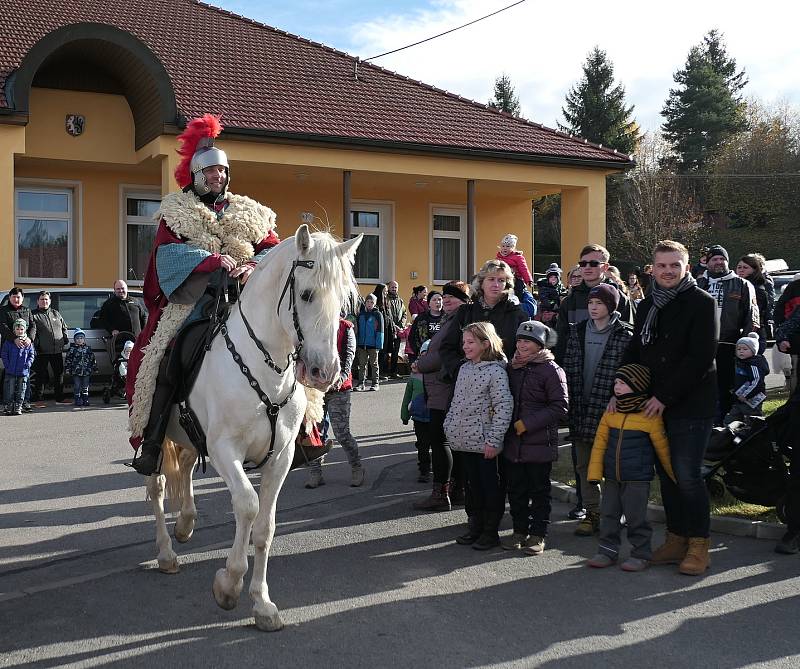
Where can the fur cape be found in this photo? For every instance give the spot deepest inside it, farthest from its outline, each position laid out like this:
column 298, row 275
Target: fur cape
column 242, row 226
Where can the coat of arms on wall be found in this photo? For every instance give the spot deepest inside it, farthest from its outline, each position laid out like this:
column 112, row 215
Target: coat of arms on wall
column 75, row 124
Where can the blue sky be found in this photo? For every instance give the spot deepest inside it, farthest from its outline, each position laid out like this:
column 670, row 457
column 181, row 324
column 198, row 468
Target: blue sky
column 542, row 46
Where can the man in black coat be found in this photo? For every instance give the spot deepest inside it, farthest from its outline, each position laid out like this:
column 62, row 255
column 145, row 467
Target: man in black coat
column 675, row 336
column 575, row 306
column 121, row 313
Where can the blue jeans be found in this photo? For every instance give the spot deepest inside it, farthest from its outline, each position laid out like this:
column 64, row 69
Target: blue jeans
column 14, row 389
column 80, row 385
column 686, row 502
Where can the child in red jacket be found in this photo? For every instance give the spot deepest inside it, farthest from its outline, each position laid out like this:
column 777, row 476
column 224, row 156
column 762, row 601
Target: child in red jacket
column 516, row 260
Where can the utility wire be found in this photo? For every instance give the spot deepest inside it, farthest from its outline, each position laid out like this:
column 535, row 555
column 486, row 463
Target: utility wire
column 446, row 32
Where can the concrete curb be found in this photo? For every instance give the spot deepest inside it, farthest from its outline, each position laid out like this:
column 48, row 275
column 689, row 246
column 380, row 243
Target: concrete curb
column 740, row 527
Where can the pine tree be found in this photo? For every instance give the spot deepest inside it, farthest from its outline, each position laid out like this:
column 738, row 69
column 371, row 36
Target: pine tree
column 505, row 97
column 595, row 108
column 706, row 109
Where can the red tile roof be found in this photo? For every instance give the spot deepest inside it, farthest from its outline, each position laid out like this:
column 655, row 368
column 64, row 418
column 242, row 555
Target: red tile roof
column 268, row 81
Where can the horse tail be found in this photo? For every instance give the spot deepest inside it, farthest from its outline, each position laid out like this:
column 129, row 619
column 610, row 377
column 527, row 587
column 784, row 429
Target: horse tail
column 171, row 470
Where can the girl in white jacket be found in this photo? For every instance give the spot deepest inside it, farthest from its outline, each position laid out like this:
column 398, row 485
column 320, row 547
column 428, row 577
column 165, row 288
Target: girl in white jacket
column 476, row 424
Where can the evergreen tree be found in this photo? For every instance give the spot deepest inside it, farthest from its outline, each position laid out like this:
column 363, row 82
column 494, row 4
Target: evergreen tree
column 505, row 97
column 706, row 109
column 595, row 108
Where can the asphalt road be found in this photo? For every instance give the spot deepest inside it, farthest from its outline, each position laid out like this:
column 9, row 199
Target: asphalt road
column 360, row 579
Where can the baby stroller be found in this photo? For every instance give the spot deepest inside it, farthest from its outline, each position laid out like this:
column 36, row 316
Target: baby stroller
column 749, row 460
column 115, row 345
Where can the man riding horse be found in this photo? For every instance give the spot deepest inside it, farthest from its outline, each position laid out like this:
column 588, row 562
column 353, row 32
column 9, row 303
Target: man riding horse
column 202, row 228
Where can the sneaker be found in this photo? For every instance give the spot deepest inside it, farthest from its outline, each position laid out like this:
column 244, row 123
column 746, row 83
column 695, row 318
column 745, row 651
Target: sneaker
column 514, row 542
column 578, row 513
column 589, row 525
column 27, row 408
column 789, row 544
column 315, row 479
column 18, row 410
column 9, row 410
column 358, row 476
column 486, row 541
column 634, row 564
column 600, row 561
column 361, row 388
column 85, row 401
column 374, row 386
column 424, row 477
column 534, row 545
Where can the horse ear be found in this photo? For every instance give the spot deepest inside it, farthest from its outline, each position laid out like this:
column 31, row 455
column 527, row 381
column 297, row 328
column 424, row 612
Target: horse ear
column 303, row 239
column 349, row 247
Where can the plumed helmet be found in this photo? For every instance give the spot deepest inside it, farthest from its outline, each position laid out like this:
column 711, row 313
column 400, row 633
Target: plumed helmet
column 198, row 152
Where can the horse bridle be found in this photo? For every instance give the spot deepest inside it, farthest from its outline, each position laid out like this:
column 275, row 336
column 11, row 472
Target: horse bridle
column 272, row 408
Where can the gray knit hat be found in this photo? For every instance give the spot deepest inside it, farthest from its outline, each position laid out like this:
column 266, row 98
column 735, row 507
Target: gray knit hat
column 553, row 269
column 535, row 331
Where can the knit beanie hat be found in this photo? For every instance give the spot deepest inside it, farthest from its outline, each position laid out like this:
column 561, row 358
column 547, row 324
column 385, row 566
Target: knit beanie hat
column 716, row 250
column 78, row 333
column 128, row 346
column 535, row 331
column 19, row 322
column 554, row 269
column 509, row 240
column 455, row 291
column 636, row 376
column 433, row 293
column 750, row 340
column 372, row 297
column 608, row 294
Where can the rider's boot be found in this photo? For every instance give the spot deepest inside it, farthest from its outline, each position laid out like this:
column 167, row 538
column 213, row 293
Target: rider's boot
column 147, row 460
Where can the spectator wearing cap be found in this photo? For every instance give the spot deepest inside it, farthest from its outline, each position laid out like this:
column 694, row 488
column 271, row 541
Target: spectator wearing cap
column 550, row 292
column 593, row 353
column 51, row 337
column 17, row 361
column 447, row 468
column 749, row 388
column 80, row 363
column 539, row 388
column 737, row 315
column 593, row 266
column 700, row 268
column 9, row 313
column 623, row 454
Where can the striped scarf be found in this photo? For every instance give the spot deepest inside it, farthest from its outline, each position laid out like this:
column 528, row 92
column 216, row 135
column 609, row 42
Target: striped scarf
column 661, row 298
column 632, row 402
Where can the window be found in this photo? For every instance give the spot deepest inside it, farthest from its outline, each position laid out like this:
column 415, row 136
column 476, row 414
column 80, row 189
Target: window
column 372, row 257
column 449, row 244
column 140, row 233
column 43, row 220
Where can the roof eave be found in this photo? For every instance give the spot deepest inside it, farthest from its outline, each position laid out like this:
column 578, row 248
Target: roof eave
column 413, row 147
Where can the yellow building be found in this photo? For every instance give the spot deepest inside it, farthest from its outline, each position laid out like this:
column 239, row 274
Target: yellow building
column 93, row 94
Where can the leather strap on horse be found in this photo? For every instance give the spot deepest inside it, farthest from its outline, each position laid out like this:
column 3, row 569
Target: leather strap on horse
column 272, row 408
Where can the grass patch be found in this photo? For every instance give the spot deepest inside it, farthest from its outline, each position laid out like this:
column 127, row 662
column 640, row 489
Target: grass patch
column 727, row 505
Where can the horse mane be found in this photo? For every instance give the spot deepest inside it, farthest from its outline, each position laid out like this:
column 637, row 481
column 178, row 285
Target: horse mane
column 333, row 274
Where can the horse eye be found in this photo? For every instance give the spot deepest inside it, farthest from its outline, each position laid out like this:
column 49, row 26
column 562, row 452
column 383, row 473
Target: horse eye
column 306, row 296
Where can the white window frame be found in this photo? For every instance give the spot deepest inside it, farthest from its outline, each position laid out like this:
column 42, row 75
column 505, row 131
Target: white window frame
column 385, row 233
column 461, row 235
column 73, row 191
column 136, row 191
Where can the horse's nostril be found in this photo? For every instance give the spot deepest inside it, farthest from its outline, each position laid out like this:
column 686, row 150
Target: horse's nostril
column 315, row 371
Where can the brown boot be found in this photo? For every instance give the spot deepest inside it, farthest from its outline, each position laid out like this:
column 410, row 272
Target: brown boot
column 696, row 561
column 438, row 501
column 672, row 551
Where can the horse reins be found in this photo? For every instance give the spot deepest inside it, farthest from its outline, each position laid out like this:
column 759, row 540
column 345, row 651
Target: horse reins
column 272, row 408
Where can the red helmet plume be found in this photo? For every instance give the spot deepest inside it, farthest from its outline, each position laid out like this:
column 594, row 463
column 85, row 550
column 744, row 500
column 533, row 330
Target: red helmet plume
column 207, row 126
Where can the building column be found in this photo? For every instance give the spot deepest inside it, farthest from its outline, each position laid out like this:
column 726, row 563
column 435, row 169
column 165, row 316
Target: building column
column 12, row 141
column 583, row 220
column 471, row 229
column 347, row 223
column 169, row 161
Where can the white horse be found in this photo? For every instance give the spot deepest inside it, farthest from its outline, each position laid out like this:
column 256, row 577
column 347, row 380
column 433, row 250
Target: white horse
column 288, row 303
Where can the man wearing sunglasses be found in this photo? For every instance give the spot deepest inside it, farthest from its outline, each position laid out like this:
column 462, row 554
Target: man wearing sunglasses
column 574, row 309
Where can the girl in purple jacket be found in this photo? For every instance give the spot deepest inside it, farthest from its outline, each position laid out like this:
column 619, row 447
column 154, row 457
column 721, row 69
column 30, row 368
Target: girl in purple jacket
column 539, row 387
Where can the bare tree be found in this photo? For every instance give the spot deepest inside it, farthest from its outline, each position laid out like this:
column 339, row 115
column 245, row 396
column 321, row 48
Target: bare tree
column 649, row 204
